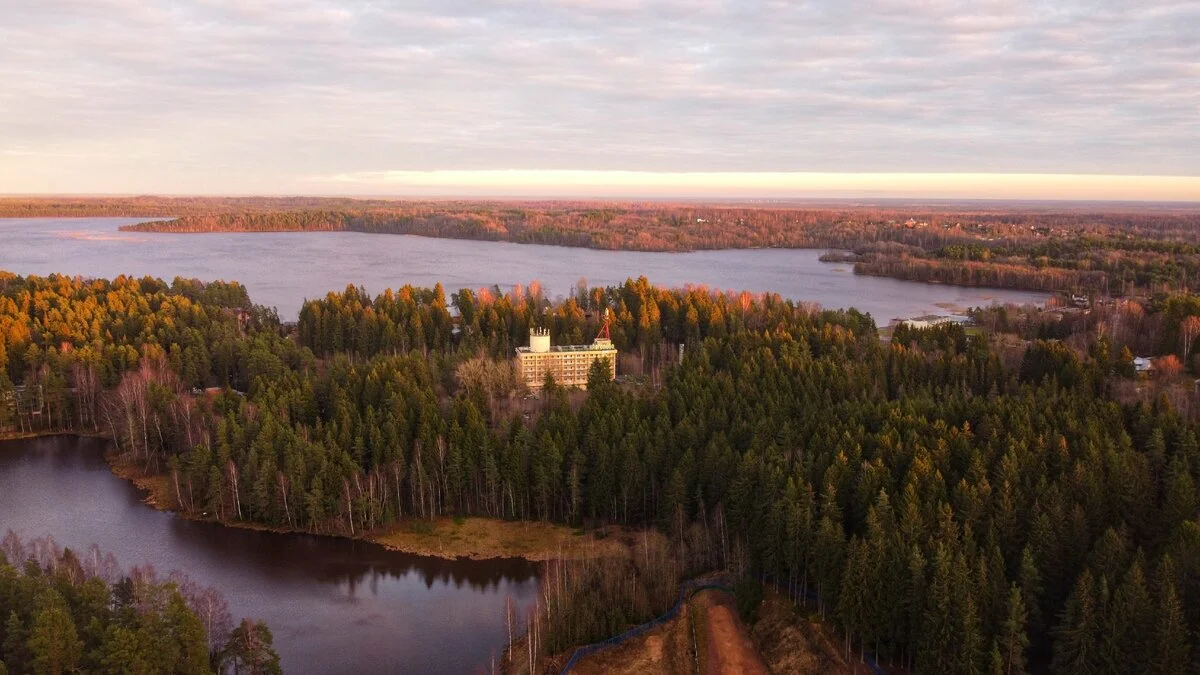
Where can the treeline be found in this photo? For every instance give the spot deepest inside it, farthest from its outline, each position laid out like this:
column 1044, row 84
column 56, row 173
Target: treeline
column 1106, row 252
column 494, row 321
column 64, row 342
column 673, row 227
column 65, row 612
column 1165, row 327
column 985, row 274
column 949, row 512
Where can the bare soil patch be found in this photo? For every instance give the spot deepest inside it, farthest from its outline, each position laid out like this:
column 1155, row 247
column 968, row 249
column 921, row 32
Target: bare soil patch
column 729, row 649
column 666, row 650
column 794, row 642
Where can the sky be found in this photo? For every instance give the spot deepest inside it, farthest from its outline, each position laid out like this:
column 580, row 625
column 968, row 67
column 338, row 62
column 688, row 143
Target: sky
column 987, row 98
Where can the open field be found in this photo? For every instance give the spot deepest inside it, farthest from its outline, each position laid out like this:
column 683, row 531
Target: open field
column 481, row 538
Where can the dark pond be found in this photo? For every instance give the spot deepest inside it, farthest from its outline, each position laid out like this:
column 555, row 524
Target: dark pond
column 334, row 605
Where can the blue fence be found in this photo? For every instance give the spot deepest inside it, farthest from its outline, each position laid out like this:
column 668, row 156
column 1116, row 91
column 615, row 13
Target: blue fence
column 811, row 596
column 686, row 589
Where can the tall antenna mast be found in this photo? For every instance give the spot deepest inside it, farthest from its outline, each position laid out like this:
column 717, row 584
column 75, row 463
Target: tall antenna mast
column 605, row 334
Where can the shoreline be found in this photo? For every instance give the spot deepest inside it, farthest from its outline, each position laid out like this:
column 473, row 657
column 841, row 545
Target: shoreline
column 475, row 538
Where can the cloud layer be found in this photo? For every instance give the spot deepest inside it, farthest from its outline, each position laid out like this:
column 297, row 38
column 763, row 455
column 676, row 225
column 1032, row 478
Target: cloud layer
column 288, row 96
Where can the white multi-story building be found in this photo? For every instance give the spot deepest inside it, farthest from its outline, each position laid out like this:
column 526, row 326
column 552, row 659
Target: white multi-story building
column 569, row 364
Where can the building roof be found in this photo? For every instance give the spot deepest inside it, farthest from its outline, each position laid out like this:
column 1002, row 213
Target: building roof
column 594, row 347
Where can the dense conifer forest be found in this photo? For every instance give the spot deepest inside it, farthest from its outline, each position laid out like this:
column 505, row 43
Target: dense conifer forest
column 947, row 511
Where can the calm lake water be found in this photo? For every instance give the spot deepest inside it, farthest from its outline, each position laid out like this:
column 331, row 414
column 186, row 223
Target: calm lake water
column 282, row 269
column 334, row 605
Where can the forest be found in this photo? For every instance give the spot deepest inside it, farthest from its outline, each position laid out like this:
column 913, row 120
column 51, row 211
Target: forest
column 947, row 508
column 67, row 611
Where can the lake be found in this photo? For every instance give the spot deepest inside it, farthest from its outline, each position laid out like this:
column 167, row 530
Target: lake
column 334, row 605
column 282, row 269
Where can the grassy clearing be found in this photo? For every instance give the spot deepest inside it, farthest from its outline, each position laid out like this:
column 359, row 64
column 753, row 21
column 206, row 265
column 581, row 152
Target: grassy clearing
column 482, row 538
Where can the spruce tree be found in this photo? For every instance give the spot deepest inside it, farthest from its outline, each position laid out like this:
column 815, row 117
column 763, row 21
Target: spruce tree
column 54, row 645
column 1076, row 647
column 1127, row 625
column 939, row 643
column 1169, row 649
column 1031, row 592
column 1013, row 638
column 15, row 653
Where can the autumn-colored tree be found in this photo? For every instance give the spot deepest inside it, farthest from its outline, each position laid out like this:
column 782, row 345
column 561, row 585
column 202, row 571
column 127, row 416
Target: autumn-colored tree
column 1168, row 367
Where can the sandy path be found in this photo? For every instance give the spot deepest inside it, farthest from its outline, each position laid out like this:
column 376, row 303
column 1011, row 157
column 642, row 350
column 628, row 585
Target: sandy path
column 730, row 649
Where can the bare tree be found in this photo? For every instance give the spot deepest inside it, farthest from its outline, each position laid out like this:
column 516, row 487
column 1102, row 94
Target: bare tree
column 1189, row 330
column 231, row 472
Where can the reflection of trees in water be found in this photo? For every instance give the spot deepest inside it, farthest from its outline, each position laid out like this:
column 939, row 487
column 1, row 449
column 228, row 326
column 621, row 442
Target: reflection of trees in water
column 300, row 557
column 479, row 575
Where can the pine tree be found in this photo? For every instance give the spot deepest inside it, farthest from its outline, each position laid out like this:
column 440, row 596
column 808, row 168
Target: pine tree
column 187, row 632
column 1031, row 592
column 996, row 660
column 1013, row 638
column 124, row 650
column 250, row 650
column 853, row 607
column 829, row 554
column 1126, row 626
column 1077, row 648
column 15, row 653
column 939, row 639
column 914, row 598
column 54, row 645
column 1170, row 651
column 971, row 646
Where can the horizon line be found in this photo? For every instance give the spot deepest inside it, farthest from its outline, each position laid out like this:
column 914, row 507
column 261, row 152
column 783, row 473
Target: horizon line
column 780, row 184
column 612, row 198
column 563, row 184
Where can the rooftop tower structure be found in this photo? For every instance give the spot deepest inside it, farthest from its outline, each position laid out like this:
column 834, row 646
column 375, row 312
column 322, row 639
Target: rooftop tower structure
column 539, row 340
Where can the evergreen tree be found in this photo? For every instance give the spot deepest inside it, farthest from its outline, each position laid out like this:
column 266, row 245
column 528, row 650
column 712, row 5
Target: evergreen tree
column 1127, row 625
column 1077, row 647
column 1169, row 651
column 249, row 650
column 15, row 654
column 54, row 645
column 1013, row 638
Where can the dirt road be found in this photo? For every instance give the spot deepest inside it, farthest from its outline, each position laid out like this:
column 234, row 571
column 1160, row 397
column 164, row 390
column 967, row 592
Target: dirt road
column 729, row 649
